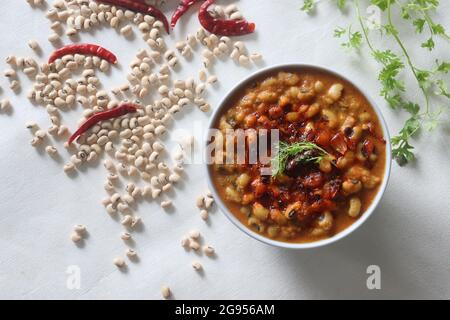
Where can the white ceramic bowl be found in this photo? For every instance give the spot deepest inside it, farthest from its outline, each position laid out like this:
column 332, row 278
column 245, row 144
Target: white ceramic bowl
column 298, row 67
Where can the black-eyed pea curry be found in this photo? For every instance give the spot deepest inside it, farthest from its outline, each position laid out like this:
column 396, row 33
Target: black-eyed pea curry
column 329, row 163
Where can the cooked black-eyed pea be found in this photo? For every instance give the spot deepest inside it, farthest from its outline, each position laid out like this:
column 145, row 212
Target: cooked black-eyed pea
column 267, row 96
column 325, row 165
column 348, row 123
column 256, row 223
column 354, row 207
column 319, row 86
column 232, row 194
column 346, row 160
column 246, row 211
column 194, row 245
column 359, row 154
column 352, row 186
column 318, row 232
column 291, row 210
column 273, row 231
column 290, row 79
column 370, row 181
column 331, row 117
column 293, row 92
column 325, row 220
column 278, row 217
column 312, row 110
column 292, row 116
column 335, row 91
column 364, row 116
column 260, row 212
column 243, row 180
column 356, row 133
column 256, row 57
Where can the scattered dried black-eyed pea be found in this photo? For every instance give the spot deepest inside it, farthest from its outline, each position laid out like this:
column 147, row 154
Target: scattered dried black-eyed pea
column 56, row 90
column 166, row 204
column 194, row 234
column 197, row 266
column 14, row 85
column 10, row 73
column 194, row 245
column 80, row 229
column 31, row 125
column 208, row 250
column 256, row 57
column 35, row 2
column 135, row 221
column 69, row 167
column 204, row 214
column 34, row 45
column 208, row 202
column 126, row 220
column 185, row 242
column 212, row 80
column 5, row 105
column 200, row 201
column 51, row 150
column 126, row 236
column 75, row 237
column 119, row 262
column 202, row 75
column 165, row 292
column 54, row 38
column 131, row 254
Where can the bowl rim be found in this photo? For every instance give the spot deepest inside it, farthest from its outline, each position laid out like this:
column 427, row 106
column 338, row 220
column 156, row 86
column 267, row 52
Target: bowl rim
column 353, row 226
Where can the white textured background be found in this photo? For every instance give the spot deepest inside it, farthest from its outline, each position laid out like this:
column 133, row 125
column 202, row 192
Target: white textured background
column 408, row 236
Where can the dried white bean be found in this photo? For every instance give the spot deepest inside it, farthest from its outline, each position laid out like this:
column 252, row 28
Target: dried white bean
column 119, row 262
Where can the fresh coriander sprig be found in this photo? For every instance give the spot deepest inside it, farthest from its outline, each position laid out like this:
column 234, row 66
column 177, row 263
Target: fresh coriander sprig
column 287, row 151
column 393, row 89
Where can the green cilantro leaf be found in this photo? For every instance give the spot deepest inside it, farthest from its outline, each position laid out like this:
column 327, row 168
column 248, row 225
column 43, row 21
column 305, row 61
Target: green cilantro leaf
column 419, row 24
column 429, row 44
column 308, row 6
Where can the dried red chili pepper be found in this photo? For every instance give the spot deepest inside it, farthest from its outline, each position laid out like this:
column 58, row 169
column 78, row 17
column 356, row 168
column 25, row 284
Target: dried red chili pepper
column 101, row 116
column 182, row 8
column 223, row 27
column 141, row 7
column 83, row 48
